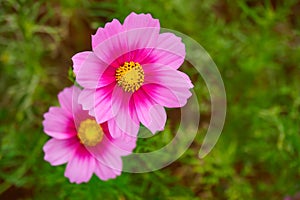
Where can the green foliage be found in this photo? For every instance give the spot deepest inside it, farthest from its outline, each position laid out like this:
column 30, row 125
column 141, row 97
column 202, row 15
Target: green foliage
column 256, row 47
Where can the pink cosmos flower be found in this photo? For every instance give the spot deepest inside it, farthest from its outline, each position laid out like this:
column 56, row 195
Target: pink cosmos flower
column 131, row 74
column 81, row 142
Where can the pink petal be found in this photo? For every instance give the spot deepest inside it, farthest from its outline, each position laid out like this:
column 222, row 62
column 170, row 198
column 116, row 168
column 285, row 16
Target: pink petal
column 169, row 51
column 164, row 75
column 59, row 123
column 167, row 97
column 133, row 21
column 114, row 130
column 91, row 72
column 124, row 144
column 120, row 137
column 174, row 80
column 107, row 77
column 119, row 98
column 186, row 77
column 183, row 94
column 107, row 154
column 108, row 31
column 65, row 99
column 122, row 124
column 162, row 95
column 81, row 166
column 105, row 173
column 125, row 118
column 123, row 43
column 78, row 59
column 112, row 161
column 152, row 115
column 87, row 99
column 58, row 152
column 139, row 32
column 112, row 48
column 159, row 118
column 68, row 99
column 137, row 55
column 98, row 102
column 103, row 106
column 81, row 116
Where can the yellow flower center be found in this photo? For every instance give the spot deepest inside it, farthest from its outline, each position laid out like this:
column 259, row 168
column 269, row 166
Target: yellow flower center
column 130, row 76
column 90, row 132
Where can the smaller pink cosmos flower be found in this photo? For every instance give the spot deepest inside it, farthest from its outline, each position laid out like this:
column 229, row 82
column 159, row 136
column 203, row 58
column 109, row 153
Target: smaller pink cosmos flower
column 81, row 142
column 131, row 74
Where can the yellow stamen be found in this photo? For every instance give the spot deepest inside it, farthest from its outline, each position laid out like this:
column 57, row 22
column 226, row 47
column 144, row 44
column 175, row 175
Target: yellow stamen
column 130, row 76
column 90, row 132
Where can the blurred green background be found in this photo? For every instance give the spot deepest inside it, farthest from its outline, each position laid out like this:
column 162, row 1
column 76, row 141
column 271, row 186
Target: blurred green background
column 256, row 46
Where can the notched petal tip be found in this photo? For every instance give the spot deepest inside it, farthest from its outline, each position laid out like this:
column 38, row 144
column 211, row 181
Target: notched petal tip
column 134, row 20
column 110, row 29
column 80, row 167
